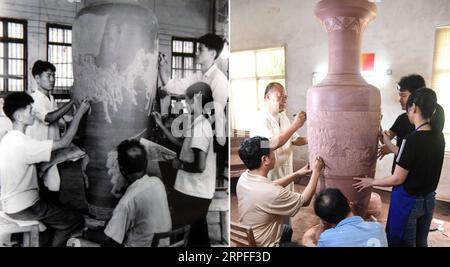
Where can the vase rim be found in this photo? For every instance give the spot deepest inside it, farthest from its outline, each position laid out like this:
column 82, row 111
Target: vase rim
column 362, row 9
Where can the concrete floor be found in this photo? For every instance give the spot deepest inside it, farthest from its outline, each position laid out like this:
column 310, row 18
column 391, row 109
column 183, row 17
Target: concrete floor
column 306, row 219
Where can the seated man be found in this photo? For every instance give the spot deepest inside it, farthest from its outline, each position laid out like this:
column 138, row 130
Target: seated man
column 143, row 210
column 18, row 180
column 346, row 229
column 262, row 203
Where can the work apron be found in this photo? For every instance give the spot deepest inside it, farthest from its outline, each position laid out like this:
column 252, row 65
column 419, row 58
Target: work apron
column 400, row 208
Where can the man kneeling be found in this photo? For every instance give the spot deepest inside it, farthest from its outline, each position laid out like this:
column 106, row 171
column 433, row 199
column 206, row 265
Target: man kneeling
column 18, row 179
column 346, row 229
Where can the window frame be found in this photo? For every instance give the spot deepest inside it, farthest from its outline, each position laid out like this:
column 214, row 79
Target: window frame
column 258, row 78
column 438, row 90
column 59, row 93
column 183, row 55
column 5, row 39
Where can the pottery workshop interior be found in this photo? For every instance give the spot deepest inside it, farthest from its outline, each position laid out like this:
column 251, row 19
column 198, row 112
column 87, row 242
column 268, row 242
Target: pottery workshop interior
column 224, row 123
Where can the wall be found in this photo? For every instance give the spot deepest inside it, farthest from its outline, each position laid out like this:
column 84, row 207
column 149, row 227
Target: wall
column 402, row 37
column 38, row 14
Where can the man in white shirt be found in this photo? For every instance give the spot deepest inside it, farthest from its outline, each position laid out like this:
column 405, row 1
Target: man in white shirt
column 273, row 123
column 144, row 209
column 18, row 180
column 46, row 124
column 262, row 203
column 210, row 47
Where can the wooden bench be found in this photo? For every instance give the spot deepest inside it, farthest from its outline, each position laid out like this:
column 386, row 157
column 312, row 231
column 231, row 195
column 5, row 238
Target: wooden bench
column 30, row 230
column 220, row 204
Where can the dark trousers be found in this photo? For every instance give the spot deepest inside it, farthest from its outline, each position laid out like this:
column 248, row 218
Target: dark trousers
column 419, row 221
column 286, row 237
column 189, row 210
column 62, row 220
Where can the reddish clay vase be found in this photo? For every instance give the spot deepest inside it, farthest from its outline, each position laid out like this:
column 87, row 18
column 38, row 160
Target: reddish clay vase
column 115, row 52
column 344, row 110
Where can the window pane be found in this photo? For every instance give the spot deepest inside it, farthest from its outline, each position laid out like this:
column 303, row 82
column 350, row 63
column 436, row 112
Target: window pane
column 66, row 34
column 15, row 50
column 1, row 28
column 15, row 30
column 441, row 70
column 188, row 63
column 1, row 85
column 243, row 102
column 15, row 67
column 1, row 47
column 187, row 47
column 69, row 36
column 175, row 45
column 1, row 67
column 270, row 62
column 15, row 85
column 242, row 64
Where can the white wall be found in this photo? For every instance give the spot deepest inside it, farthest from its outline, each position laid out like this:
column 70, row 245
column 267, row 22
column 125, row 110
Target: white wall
column 402, row 37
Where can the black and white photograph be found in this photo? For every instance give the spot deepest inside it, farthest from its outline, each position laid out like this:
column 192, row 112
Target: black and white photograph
column 114, row 123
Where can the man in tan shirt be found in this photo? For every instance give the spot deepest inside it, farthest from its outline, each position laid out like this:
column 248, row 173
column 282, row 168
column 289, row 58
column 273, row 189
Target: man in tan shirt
column 262, row 203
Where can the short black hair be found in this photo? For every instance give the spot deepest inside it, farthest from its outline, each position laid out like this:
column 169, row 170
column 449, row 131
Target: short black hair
column 131, row 156
column 411, row 83
column 14, row 102
column 425, row 99
column 252, row 150
column 200, row 88
column 331, row 205
column 212, row 41
column 42, row 66
column 270, row 86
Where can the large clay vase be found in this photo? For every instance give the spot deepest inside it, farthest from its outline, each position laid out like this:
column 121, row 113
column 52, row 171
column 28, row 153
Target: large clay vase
column 115, row 52
column 344, row 110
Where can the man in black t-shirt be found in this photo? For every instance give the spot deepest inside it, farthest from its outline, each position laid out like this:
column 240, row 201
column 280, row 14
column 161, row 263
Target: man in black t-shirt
column 402, row 127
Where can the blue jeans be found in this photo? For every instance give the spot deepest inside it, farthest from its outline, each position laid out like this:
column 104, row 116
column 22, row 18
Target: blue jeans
column 419, row 221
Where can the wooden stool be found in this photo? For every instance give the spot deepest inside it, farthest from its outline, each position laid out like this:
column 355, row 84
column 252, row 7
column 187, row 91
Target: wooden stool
column 221, row 205
column 242, row 235
column 30, row 231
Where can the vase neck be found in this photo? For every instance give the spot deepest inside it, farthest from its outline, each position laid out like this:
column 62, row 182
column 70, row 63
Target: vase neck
column 344, row 44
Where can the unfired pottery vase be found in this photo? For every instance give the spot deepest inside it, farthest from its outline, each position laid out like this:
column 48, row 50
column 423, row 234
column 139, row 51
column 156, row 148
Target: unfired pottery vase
column 344, row 110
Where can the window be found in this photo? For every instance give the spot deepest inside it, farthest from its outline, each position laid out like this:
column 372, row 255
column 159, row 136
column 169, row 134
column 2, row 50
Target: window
column 13, row 55
column 59, row 52
column 183, row 57
column 250, row 72
column 441, row 75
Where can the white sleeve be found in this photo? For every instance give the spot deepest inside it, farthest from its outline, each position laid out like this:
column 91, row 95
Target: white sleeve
column 40, row 112
column 119, row 224
column 201, row 138
column 219, row 87
column 37, row 151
